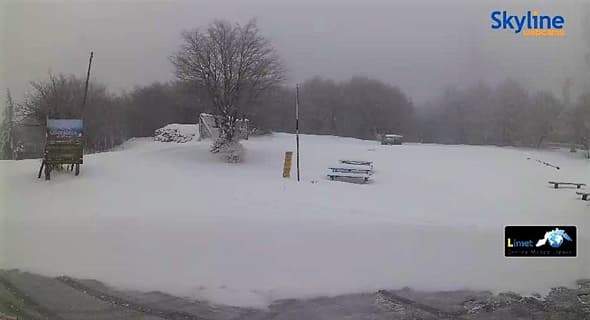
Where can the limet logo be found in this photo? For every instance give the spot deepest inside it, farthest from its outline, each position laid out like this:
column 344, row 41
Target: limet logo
column 540, row 241
column 531, row 24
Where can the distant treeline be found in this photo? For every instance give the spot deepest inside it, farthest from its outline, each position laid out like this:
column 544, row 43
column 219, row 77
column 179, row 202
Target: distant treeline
column 359, row 107
column 506, row 114
column 109, row 119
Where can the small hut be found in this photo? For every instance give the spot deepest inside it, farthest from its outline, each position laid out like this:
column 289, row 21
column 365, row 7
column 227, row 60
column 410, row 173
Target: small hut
column 391, row 139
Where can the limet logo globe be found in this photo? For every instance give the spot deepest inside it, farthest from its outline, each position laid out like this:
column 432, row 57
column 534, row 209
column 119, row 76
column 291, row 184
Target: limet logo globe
column 530, row 24
column 555, row 238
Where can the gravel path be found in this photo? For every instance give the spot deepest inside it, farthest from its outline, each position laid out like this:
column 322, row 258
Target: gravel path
column 31, row 296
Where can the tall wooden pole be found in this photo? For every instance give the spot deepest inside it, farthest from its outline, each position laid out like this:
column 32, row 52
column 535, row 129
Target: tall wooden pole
column 87, row 79
column 297, row 125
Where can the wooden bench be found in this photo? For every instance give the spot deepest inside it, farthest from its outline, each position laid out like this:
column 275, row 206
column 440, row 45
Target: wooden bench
column 584, row 195
column 556, row 184
column 347, row 172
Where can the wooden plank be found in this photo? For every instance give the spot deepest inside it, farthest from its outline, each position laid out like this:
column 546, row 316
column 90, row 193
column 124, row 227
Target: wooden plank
column 64, row 153
column 349, row 175
column 357, row 162
column 287, row 164
column 349, row 169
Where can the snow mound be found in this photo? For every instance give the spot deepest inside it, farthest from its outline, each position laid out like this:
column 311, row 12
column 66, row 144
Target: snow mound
column 179, row 133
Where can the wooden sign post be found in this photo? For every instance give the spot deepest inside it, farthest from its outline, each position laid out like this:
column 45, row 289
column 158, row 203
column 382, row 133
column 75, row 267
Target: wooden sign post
column 297, row 125
column 287, row 164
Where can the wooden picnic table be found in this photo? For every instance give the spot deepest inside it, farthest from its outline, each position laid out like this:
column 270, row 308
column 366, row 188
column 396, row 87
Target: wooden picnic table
column 348, row 172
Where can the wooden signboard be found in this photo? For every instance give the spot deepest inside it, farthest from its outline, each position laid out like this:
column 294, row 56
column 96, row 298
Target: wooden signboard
column 287, row 164
column 63, row 145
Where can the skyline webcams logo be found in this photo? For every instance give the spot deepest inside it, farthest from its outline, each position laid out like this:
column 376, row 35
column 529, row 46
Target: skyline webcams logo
column 531, row 24
column 540, row 241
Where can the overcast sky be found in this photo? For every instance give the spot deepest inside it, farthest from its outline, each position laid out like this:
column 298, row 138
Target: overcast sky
column 420, row 46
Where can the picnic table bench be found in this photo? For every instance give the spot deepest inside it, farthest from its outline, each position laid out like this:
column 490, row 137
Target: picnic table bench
column 584, row 195
column 556, row 184
column 364, row 174
column 352, row 169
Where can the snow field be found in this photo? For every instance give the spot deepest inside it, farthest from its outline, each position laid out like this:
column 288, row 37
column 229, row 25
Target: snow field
column 172, row 217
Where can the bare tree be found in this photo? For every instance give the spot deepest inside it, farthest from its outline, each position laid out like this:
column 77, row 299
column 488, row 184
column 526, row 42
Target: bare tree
column 511, row 101
column 542, row 116
column 234, row 63
column 60, row 97
column 580, row 122
column 6, row 128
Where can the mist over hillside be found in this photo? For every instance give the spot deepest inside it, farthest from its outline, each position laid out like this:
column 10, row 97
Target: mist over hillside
column 421, row 46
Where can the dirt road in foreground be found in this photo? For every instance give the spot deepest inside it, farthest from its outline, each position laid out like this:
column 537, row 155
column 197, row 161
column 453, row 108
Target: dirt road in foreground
column 29, row 296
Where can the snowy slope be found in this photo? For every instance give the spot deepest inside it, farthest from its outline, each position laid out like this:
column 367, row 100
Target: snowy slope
column 171, row 217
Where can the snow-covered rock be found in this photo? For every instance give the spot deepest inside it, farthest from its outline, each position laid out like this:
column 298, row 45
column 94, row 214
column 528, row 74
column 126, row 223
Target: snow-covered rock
column 179, row 133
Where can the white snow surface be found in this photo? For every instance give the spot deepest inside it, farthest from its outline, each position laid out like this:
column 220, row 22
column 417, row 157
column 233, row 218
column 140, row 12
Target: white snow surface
column 172, row 217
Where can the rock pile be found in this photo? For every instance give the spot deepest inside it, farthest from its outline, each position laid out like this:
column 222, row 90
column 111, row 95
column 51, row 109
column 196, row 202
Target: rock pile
column 179, row 133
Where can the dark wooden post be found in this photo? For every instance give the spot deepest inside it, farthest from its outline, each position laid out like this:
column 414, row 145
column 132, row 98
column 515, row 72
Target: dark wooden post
column 297, row 125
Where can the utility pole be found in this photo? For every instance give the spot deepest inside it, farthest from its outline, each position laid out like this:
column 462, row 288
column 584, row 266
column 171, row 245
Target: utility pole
column 87, row 79
column 297, row 125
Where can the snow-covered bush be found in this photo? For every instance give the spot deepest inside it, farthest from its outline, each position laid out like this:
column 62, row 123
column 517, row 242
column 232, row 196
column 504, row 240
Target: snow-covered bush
column 179, row 133
column 232, row 151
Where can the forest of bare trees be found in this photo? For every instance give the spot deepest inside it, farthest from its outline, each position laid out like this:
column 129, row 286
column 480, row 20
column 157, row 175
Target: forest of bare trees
column 506, row 114
column 359, row 107
column 234, row 72
column 109, row 119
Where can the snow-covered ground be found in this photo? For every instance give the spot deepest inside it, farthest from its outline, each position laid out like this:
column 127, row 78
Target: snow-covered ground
column 172, row 217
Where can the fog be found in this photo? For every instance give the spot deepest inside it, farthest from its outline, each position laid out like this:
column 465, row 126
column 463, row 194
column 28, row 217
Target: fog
column 421, row 46
column 213, row 219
